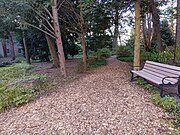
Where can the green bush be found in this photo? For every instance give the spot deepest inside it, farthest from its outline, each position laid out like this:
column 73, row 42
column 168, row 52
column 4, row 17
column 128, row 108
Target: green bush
column 16, row 95
column 123, row 51
column 95, row 62
column 126, row 59
column 168, row 103
column 178, row 54
column 153, row 56
column 103, row 53
column 166, row 56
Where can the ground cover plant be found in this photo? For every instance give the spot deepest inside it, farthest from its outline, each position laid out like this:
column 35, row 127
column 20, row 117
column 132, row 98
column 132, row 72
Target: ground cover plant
column 18, row 84
column 168, row 103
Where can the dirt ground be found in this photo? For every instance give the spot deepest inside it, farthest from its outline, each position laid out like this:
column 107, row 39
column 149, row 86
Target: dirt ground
column 99, row 102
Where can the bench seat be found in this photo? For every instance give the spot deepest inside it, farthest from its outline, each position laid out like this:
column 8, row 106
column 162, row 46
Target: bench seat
column 159, row 74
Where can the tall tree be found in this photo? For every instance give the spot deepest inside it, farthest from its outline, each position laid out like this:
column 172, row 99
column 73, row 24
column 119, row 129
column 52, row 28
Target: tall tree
column 178, row 24
column 156, row 26
column 137, row 36
column 57, row 33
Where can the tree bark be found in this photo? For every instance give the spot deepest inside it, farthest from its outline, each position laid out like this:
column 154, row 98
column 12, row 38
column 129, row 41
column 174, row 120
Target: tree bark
column 178, row 24
column 12, row 47
column 137, row 36
column 144, row 30
column 53, row 51
column 116, row 29
column 58, row 38
column 83, row 37
column 26, row 49
column 156, row 26
column 4, row 47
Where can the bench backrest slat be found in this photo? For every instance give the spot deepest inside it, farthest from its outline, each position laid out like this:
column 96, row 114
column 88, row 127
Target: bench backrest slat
column 164, row 65
column 161, row 75
column 164, row 69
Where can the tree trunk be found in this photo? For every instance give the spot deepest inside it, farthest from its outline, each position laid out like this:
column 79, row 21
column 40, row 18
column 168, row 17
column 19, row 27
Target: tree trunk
column 150, row 32
column 83, row 37
column 144, row 30
column 116, row 29
column 156, row 26
column 26, row 49
column 53, row 51
column 4, row 47
column 178, row 24
column 137, row 36
column 12, row 47
column 58, row 38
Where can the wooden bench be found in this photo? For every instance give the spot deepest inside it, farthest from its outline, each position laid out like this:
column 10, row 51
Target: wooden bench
column 159, row 74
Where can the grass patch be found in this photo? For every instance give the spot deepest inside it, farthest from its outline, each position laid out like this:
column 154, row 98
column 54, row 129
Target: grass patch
column 16, row 94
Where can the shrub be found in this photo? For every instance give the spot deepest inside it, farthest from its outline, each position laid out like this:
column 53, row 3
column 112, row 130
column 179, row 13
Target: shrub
column 168, row 103
column 153, row 56
column 103, row 53
column 95, row 62
column 166, row 56
column 126, row 59
column 123, row 51
column 16, row 94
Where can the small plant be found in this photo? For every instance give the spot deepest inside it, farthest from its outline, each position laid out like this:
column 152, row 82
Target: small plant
column 148, row 86
column 103, row 53
column 123, row 51
column 166, row 56
column 153, row 56
column 141, row 81
column 167, row 103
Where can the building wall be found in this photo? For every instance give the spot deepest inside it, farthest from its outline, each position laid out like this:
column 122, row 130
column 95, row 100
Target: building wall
column 17, row 46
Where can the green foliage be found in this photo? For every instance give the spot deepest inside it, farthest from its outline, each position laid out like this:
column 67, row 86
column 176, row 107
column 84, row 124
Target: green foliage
column 167, row 103
column 103, row 53
column 123, row 51
column 178, row 54
column 153, row 56
column 148, row 86
column 141, row 81
column 166, row 34
column 92, row 62
column 15, row 71
column 16, row 95
column 166, row 56
column 126, row 59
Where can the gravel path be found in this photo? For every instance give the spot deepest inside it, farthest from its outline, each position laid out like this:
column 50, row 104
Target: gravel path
column 101, row 103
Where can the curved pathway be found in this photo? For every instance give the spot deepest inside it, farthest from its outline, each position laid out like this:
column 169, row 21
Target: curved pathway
column 103, row 102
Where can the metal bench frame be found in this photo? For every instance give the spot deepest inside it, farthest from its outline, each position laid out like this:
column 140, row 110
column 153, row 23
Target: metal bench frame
column 163, row 84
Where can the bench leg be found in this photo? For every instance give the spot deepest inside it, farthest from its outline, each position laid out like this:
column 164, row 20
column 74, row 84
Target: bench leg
column 179, row 89
column 132, row 76
column 161, row 90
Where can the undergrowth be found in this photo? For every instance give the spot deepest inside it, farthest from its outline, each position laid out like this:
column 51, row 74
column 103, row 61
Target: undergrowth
column 17, row 94
column 169, row 104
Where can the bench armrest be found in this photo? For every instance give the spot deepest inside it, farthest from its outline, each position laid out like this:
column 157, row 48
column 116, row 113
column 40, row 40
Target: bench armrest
column 170, row 77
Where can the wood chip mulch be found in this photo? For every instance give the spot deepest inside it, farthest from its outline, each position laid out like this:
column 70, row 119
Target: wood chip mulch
column 103, row 102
